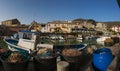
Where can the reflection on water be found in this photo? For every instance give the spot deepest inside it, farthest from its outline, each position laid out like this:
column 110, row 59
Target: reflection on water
column 61, row 42
column 71, row 42
column 93, row 42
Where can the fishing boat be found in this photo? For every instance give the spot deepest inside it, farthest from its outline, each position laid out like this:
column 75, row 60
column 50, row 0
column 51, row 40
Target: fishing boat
column 28, row 41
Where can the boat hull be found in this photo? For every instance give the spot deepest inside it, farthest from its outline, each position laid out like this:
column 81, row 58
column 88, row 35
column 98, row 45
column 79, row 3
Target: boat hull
column 12, row 45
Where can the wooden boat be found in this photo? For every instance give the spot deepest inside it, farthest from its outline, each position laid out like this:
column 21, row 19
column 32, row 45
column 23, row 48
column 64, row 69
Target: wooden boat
column 26, row 41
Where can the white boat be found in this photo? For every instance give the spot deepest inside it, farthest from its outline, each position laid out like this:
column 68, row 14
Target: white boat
column 102, row 39
column 53, row 37
column 26, row 41
column 90, row 37
column 79, row 37
column 58, row 37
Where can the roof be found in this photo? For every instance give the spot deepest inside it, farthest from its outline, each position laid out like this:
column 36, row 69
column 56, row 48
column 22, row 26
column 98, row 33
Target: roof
column 12, row 19
column 27, row 31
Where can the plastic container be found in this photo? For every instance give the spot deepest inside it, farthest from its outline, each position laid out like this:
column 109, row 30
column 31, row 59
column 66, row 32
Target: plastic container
column 102, row 59
column 45, row 64
column 15, row 66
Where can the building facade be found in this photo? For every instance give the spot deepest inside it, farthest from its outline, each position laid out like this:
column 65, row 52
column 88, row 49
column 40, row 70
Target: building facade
column 12, row 22
column 62, row 26
column 68, row 26
column 116, row 28
column 101, row 26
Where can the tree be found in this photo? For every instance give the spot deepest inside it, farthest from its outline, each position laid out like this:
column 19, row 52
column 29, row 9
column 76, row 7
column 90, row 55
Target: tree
column 99, row 33
column 57, row 30
column 91, row 29
column 5, row 30
column 79, row 20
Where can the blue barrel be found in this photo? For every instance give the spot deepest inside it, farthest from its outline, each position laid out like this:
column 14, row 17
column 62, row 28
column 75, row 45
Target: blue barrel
column 102, row 59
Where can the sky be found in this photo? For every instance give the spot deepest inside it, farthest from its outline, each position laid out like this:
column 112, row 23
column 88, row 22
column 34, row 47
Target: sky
column 44, row 11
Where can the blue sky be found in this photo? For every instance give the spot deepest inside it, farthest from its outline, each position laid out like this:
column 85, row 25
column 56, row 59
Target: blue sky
column 49, row 10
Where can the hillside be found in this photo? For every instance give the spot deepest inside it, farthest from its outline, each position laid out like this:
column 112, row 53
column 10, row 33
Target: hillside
column 112, row 23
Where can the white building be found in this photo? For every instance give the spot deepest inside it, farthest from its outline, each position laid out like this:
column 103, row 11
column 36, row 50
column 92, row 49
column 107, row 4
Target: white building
column 116, row 28
column 101, row 26
column 43, row 28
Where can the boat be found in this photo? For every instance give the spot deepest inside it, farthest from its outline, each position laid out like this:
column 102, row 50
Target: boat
column 73, row 46
column 57, row 37
column 79, row 37
column 60, row 37
column 28, row 41
column 90, row 37
column 101, row 39
column 12, row 45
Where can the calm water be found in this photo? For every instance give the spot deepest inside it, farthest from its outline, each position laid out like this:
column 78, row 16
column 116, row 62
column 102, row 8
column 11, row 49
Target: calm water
column 71, row 42
column 62, row 42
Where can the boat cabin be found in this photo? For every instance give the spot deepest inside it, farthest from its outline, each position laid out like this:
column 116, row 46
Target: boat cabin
column 27, row 39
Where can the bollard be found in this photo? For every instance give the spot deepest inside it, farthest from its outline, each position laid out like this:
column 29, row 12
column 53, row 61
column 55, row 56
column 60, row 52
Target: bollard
column 62, row 66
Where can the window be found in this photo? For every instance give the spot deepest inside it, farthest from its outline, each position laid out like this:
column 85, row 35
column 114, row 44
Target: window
column 27, row 36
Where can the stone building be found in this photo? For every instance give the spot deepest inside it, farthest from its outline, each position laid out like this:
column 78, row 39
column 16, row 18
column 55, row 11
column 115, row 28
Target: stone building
column 34, row 26
column 63, row 26
column 101, row 26
column 43, row 28
column 80, row 23
column 114, row 26
column 67, row 26
column 11, row 22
